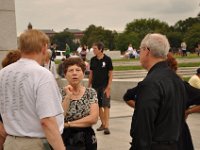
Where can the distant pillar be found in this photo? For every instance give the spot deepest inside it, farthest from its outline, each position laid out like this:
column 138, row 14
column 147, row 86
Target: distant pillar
column 8, row 34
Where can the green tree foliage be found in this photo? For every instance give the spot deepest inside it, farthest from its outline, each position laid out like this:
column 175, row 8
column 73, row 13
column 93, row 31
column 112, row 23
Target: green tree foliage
column 175, row 39
column 184, row 25
column 124, row 39
column 62, row 38
column 145, row 26
column 192, row 36
column 94, row 34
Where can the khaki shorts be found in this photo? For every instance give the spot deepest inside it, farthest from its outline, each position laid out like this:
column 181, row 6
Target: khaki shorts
column 103, row 101
column 25, row 143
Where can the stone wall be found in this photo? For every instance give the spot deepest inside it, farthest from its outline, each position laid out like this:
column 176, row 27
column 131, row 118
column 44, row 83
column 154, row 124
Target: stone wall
column 119, row 87
column 8, row 34
column 111, row 54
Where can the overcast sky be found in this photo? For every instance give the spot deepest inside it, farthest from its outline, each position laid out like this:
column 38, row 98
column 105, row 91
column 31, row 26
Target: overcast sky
column 111, row 14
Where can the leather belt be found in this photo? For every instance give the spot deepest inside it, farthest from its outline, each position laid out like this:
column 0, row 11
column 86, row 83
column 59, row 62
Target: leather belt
column 27, row 137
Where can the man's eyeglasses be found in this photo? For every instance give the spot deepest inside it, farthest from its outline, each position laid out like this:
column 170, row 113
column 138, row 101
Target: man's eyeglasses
column 144, row 48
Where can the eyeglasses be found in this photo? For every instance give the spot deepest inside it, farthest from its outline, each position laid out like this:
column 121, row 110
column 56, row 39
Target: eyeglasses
column 144, row 48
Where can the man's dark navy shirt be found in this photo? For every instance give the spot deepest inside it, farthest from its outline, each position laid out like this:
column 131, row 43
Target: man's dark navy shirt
column 159, row 110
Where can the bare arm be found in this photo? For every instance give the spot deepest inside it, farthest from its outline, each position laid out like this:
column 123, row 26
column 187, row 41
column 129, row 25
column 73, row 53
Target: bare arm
column 52, row 133
column 87, row 121
column 108, row 88
column 191, row 110
column 90, row 78
column 131, row 103
column 3, row 135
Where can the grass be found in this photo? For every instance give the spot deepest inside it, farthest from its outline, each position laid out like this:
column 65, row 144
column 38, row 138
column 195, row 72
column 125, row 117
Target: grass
column 190, row 56
column 120, row 68
column 190, row 64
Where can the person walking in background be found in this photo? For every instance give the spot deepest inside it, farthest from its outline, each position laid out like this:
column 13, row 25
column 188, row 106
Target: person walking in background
column 53, row 50
column 100, row 78
column 129, row 52
column 61, row 69
column 49, row 64
column 81, row 108
column 31, row 103
column 83, row 52
column 195, row 79
column 67, row 51
column 184, row 49
column 160, row 100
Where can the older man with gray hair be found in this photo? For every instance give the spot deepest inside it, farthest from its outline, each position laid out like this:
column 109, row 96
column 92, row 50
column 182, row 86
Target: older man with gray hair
column 160, row 97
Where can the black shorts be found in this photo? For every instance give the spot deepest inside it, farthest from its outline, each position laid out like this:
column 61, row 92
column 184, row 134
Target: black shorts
column 103, row 101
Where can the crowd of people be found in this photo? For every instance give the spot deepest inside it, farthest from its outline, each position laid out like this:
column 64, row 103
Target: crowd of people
column 36, row 115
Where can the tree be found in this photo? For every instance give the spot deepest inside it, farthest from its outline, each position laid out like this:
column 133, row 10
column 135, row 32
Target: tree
column 124, row 39
column 192, row 36
column 184, row 25
column 60, row 39
column 175, row 39
column 94, row 34
column 145, row 26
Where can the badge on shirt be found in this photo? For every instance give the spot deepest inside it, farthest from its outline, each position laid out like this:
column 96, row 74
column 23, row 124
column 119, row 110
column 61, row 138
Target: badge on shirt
column 103, row 64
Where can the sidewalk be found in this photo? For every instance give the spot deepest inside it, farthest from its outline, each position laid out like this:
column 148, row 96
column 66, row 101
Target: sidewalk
column 120, row 121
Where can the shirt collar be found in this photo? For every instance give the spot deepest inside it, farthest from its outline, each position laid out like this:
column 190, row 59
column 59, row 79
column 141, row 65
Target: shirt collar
column 161, row 64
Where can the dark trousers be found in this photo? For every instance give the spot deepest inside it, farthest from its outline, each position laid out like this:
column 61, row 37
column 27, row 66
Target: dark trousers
column 164, row 146
column 160, row 146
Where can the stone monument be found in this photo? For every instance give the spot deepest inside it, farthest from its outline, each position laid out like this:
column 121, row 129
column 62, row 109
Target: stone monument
column 8, row 34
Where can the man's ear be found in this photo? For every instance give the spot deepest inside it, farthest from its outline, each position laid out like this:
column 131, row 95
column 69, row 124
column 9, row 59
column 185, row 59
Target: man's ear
column 44, row 50
column 147, row 52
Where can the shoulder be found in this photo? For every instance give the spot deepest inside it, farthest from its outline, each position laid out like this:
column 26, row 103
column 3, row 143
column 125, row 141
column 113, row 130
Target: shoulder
column 92, row 95
column 91, row 90
column 93, row 58
column 107, row 57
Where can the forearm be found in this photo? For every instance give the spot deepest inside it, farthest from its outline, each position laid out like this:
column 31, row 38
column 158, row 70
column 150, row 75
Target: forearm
column 3, row 133
column 90, row 79
column 52, row 133
column 65, row 104
column 110, row 75
column 131, row 103
column 83, row 122
column 193, row 109
column 87, row 121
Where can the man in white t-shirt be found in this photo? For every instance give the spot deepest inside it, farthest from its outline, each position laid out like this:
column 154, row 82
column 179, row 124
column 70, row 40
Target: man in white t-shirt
column 30, row 100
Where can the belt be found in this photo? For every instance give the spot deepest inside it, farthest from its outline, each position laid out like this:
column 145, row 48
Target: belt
column 164, row 142
column 27, row 137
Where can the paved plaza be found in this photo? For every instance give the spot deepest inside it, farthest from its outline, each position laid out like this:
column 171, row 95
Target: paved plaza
column 120, row 120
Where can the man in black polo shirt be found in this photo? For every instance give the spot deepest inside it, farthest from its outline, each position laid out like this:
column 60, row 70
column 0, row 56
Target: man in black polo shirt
column 160, row 100
column 100, row 79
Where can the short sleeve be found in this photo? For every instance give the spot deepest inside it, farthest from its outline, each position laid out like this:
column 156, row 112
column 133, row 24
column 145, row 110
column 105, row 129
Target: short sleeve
column 130, row 94
column 92, row 96
column 110, row 66
column 48, row 100
column 92, row 64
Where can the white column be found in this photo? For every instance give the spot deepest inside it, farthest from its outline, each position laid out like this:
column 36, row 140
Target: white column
column 8, row 34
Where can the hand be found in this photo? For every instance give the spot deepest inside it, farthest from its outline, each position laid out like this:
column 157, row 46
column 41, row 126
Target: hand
column 69, row 90
column 107, row 92
column 187, row 112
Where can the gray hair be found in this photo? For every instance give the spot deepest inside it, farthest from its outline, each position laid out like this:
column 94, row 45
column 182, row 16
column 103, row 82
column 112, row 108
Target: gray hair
column 158, row 44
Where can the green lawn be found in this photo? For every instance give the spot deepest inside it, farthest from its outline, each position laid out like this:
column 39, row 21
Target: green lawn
column 119, row 68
